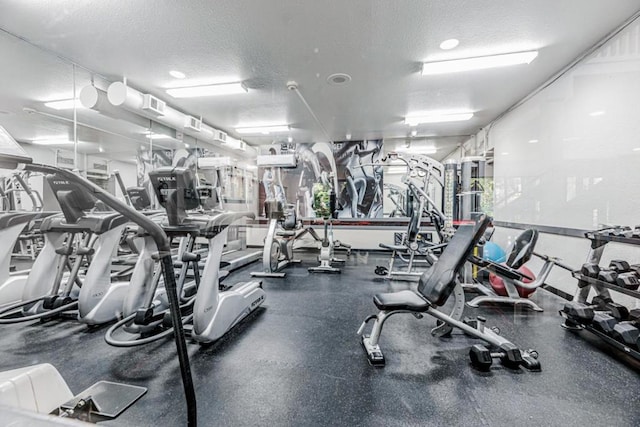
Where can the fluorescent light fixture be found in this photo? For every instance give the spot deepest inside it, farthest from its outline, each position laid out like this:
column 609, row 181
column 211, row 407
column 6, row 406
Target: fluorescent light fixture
column 52, row 141
column 64, row 104
column 207, row 90
column 636, row 149
column 478, row 63
column 504, row 153
column 152, row 135
column 533, row 141
column 252, row 167
column 265, row 130
column 437, row 118
column 449, row 44
column 177, row 74
column 597, row 113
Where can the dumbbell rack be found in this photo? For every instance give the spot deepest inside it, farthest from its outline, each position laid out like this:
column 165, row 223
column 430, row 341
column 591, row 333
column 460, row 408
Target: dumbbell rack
column 598, row 243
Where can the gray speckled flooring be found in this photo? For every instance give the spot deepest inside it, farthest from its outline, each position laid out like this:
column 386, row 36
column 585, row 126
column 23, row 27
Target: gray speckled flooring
column 299, row 362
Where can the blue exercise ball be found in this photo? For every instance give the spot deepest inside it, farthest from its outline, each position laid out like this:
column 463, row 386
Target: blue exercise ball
column 493, row 252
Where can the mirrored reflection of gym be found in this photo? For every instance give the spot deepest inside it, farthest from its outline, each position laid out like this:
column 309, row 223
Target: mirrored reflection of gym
column 303, row 213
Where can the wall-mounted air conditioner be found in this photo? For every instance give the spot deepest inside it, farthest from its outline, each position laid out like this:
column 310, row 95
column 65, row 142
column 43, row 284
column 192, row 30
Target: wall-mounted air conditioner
column 193, row 123
column 153, row 105
column 277, row 160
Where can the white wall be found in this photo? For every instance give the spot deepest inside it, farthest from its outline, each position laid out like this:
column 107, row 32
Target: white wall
column 584, row 169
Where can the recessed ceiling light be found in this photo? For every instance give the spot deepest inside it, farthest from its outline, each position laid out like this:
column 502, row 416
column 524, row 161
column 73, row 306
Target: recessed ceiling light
column 533, row 141
column 186, row 145
column 100, row 149
column 478, row 63
column 434, row 117
column 338, row 79
column 177, row 74
column 64, row 104
column 207, row 90
column 597, row 113
column 504, row 153
column 289, row 139
column 265, row 130
column 414, row 132
column 348, row 136
column 449, row 44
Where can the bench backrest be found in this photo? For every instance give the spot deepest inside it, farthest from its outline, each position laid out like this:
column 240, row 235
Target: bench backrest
column 437, row 283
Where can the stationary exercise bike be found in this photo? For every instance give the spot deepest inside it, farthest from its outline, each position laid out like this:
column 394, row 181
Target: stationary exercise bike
column 284, row 227
column 324, row 204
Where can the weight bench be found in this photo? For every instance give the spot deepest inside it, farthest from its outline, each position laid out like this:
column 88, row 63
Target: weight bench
column 434, row 289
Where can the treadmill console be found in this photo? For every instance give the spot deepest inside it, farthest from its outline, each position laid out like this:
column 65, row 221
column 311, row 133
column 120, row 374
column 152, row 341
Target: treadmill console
column 176, row 191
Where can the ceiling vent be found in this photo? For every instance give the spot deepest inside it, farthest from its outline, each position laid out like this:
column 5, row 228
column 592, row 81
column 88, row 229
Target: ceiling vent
column 153, row 105
column 193, row 123
column 220, row 136
column 338, row 79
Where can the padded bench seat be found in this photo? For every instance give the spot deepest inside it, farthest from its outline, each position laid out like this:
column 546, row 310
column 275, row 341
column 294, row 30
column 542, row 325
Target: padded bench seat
column 402, row 300
column 286, row 233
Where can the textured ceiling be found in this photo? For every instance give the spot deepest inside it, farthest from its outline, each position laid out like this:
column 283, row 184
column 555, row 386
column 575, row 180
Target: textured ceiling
column 267, row 43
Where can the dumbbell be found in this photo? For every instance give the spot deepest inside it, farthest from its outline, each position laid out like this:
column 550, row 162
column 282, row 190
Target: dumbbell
column 619, row 266
column 628, row 332
column 584, row 314
column 482, row 357
column 590, row 269
column 604, row 322
column 628, row 281
column 609, row 276
column 619, row 231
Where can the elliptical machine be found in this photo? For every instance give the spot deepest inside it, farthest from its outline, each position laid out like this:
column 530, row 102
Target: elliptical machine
column 284, row 227
column 72, row 241
column 212, row 310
